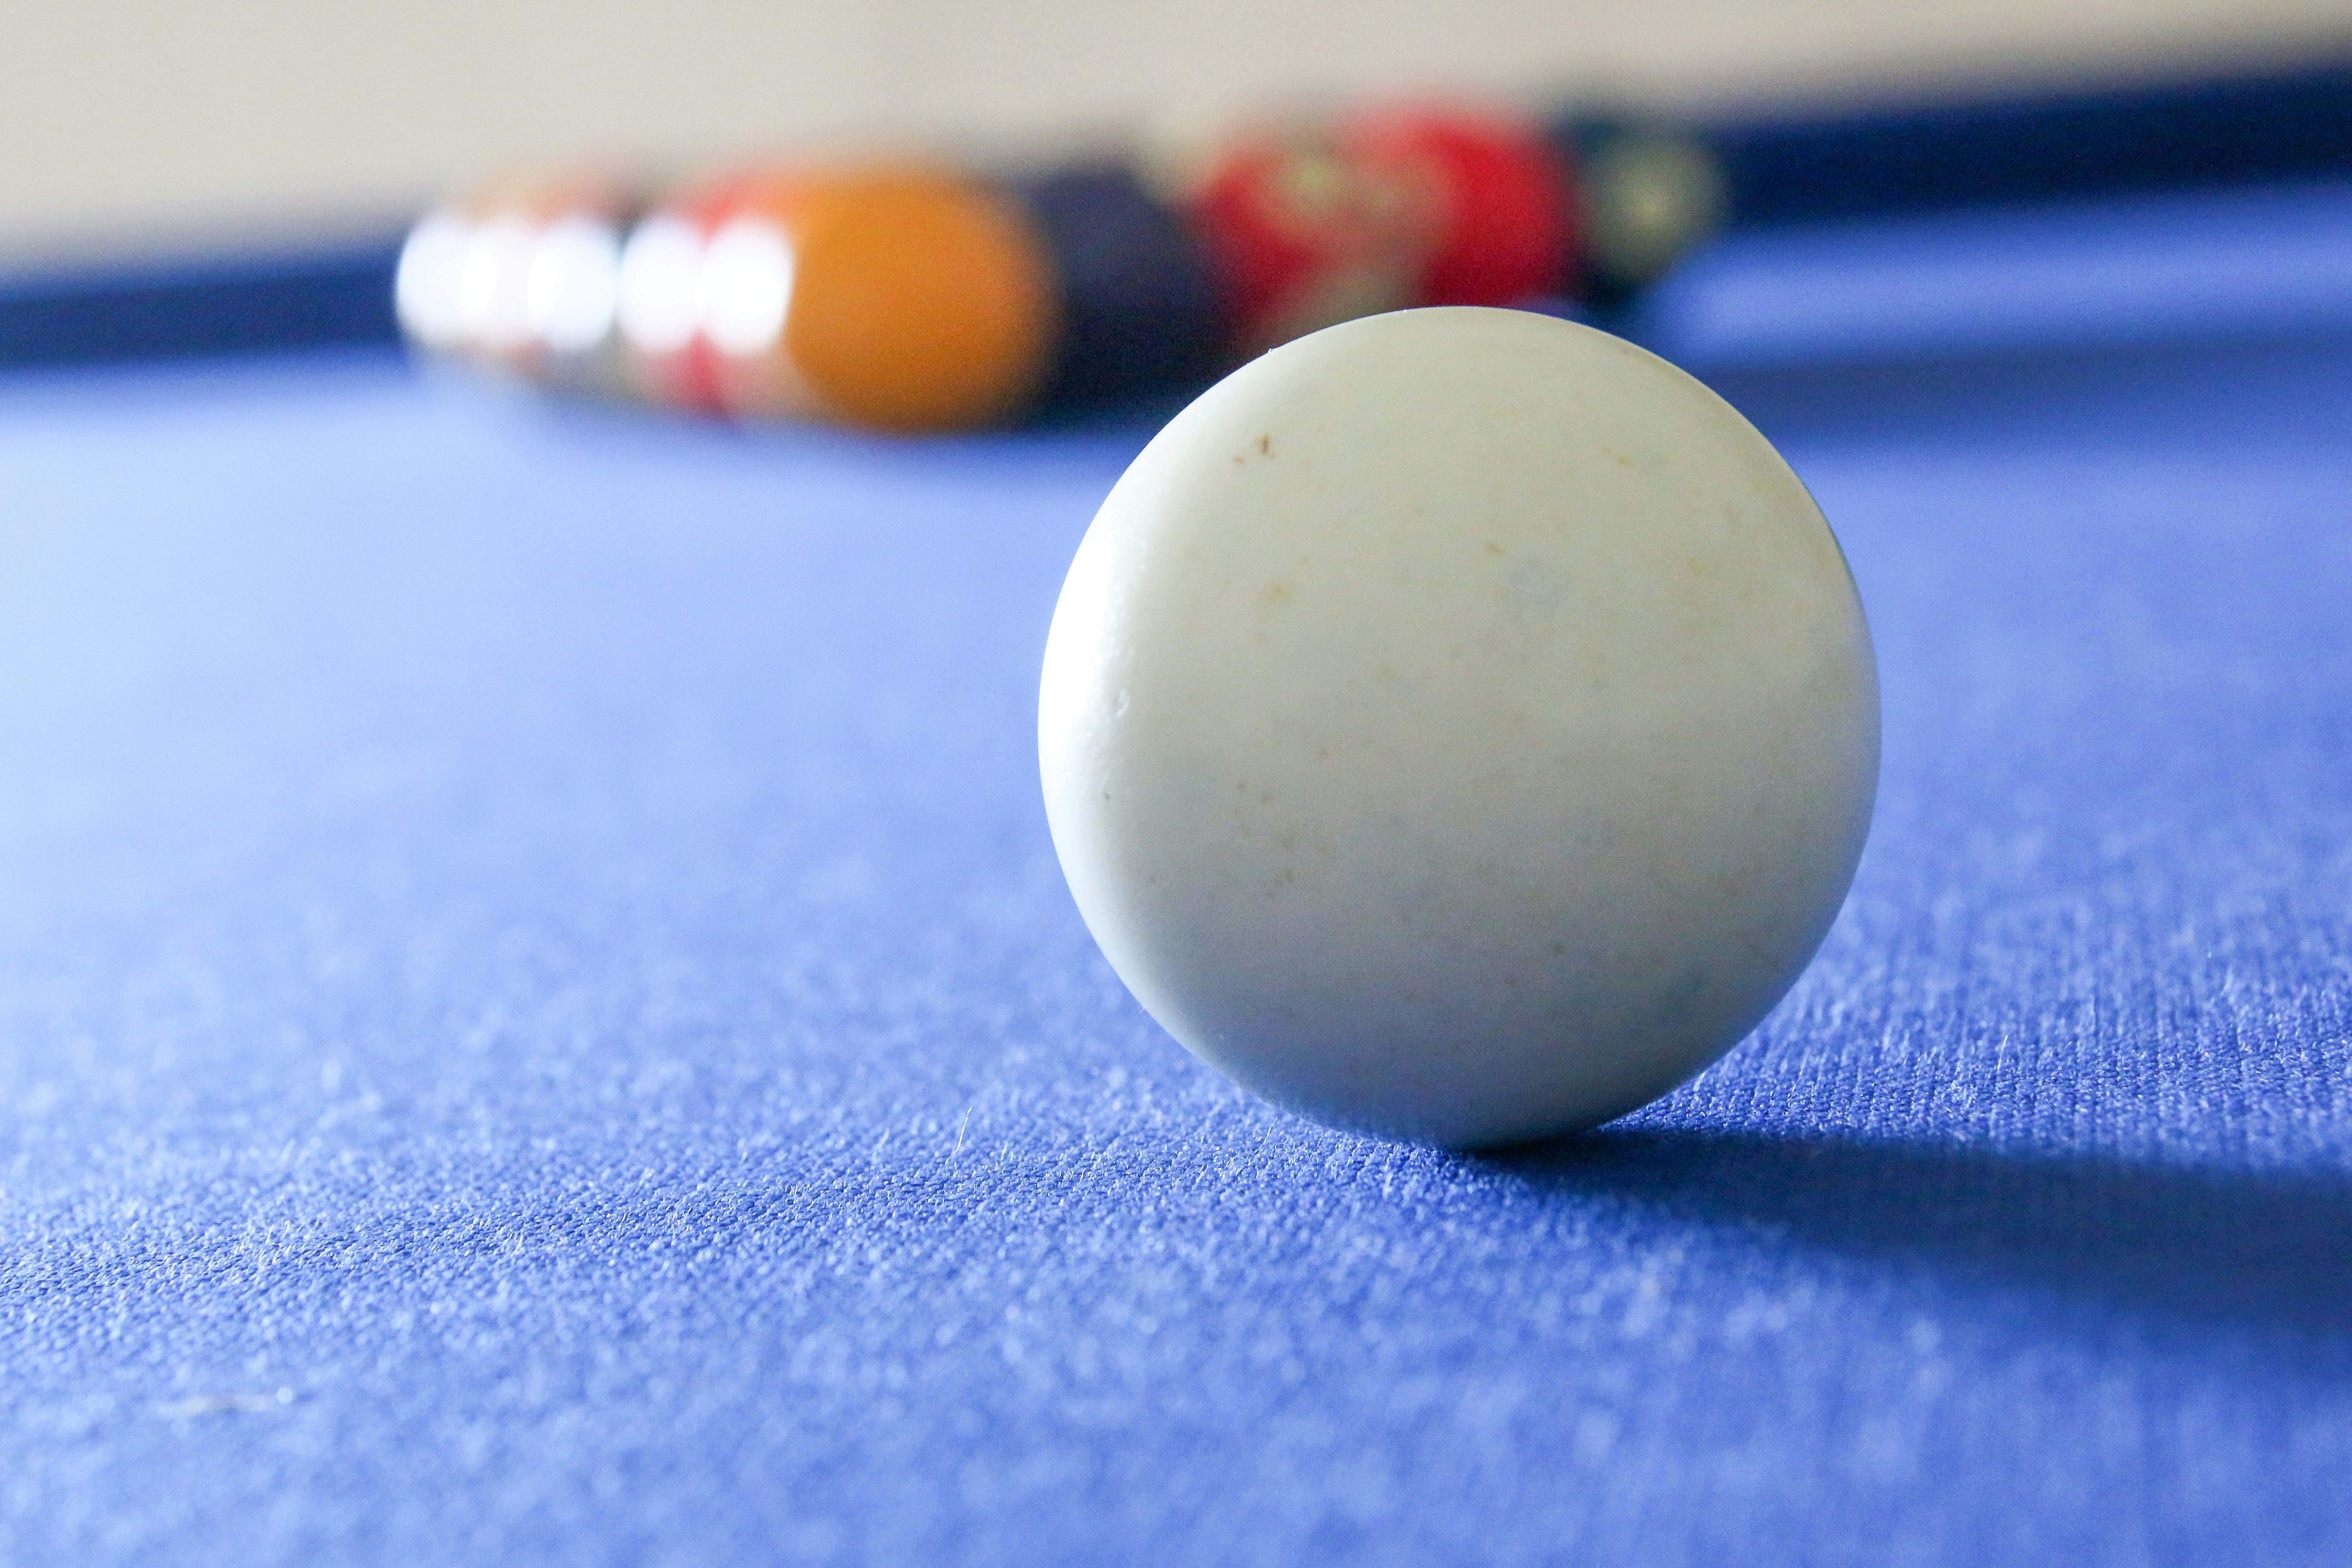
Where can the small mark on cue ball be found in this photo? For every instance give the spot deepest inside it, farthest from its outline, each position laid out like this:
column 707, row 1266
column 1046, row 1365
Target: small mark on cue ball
column 1265, row 446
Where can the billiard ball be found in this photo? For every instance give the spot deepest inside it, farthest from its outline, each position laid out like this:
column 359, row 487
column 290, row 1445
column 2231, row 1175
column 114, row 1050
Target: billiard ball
column 1645, row 196
column 520, row 275
column 1139, row 307
column 659, row 305
column 1459, row 725
column 895, row 298
column 1303, row 230
column 1494, row 201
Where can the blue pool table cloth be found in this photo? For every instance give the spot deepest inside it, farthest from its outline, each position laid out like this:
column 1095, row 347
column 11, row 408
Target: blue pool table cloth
column 540, row 1021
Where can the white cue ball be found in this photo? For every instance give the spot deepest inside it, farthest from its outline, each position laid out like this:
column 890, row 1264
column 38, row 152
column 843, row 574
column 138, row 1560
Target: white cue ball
column 1459, row 725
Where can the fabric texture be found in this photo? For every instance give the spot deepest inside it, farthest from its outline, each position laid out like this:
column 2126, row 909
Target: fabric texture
column 538, row 1023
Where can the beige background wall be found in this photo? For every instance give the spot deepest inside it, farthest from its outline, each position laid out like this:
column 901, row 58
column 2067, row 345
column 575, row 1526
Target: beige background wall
column 180, row 116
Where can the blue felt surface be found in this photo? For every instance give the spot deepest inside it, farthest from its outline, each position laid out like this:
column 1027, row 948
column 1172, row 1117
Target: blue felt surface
column 538, row 1024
